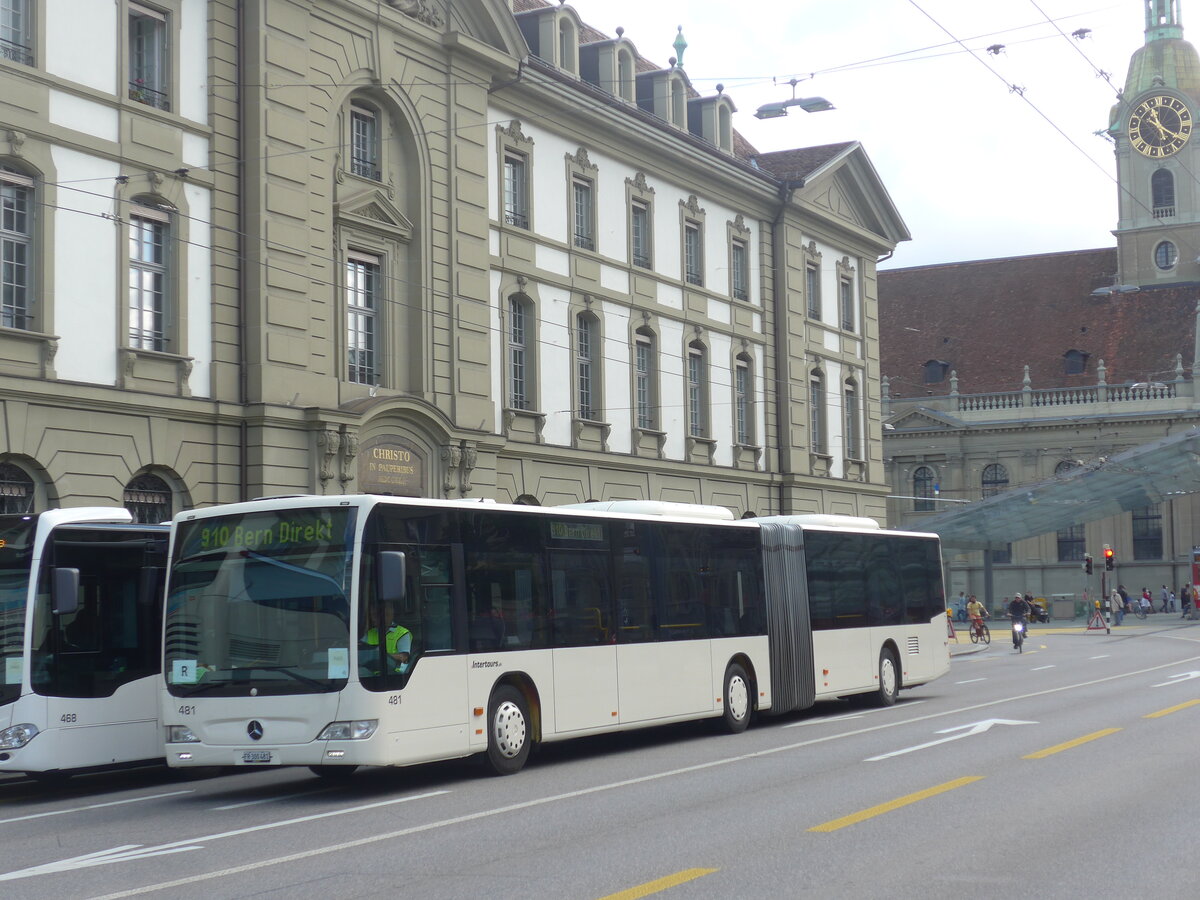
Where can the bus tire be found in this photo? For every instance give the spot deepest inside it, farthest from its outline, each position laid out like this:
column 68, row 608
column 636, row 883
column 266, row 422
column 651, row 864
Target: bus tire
column 508, row 731
column 889, row 678
column 333, row 773
column 737, row 699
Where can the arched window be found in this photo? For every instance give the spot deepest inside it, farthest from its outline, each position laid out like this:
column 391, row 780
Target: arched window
column 923, row 484
column 520, row 352
column 853, row 415
column 364, row 141
column 994, row 479
column 724, row 128
column 697, row 387
column 625, row 77
column 16, row 489
column 678, row 104
column 645, row 379
column 588, row 377
column 567, row 45
column 16, row 248
column 149, row 499
column 935, row 371
column 743, row 399
column 1165, row 255
column 1074, row 362
column 150, row 261
column 1162, row 193
column 816, row 412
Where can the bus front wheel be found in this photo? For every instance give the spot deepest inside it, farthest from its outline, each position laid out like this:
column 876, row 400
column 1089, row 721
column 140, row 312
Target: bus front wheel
column 738, row 699
column 889, row 678
column 508, row 731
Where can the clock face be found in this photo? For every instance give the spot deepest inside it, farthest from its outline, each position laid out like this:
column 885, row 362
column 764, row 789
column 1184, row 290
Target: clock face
column 1160, row 126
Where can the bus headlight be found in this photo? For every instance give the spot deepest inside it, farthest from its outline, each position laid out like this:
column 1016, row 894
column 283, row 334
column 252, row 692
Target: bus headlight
column 17, row 736
column 358, row 730
column 181, row 734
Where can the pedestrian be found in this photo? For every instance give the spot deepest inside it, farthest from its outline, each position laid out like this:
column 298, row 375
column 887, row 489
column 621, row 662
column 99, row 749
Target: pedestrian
column 1171, row 602
column 1117, row 605
column 1147, row 606
column 1164, row 596
column 1185, row 601
column 960, row 607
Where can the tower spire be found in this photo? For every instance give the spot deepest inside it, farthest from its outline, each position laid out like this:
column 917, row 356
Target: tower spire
column 1162, row 20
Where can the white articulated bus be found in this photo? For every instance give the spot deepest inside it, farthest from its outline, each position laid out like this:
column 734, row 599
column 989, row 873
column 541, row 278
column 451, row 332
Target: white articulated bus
column 507, row 625
column 80, row 640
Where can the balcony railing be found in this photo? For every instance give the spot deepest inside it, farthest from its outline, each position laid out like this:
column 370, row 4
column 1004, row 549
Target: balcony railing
column 142, row 94
column 15, row 52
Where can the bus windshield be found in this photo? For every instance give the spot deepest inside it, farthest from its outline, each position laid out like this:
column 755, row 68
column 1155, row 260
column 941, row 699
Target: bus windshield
column 16, row 557
column 260, row 601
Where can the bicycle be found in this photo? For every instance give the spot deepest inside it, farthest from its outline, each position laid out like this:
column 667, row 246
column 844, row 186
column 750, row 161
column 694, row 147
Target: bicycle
column 1018, row 634
column 1139, row 610
column 980, row 632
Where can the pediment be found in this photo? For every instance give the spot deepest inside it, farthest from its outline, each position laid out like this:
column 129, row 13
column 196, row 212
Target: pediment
column 373, row 210
column 848, row 189
column 922, row 420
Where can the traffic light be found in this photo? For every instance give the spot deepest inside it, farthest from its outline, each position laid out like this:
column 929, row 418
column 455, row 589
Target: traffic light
column 1108, row 558
column 1087, row 564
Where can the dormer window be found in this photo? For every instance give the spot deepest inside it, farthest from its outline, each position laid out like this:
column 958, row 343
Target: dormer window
column 936, row 371
column 678, row 104
column 625, row 69
column 568, row 46
column 1075, row 362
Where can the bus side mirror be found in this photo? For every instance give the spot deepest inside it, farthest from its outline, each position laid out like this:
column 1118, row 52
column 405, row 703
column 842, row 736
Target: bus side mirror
column 64, row 591
column 391, row 570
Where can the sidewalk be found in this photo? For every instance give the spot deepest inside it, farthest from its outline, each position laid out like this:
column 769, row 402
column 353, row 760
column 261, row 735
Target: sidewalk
column 961, row 642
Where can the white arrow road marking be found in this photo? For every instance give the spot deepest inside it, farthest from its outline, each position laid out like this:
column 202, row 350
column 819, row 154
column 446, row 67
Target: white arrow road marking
column 129, row 852
column 1178, row 679
column 973, row 728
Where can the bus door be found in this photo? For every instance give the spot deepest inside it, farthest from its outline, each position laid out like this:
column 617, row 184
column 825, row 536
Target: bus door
column 416, row 654
column 94, row 660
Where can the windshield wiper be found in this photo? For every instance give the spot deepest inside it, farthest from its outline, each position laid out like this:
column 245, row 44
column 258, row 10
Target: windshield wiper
column 291, row 673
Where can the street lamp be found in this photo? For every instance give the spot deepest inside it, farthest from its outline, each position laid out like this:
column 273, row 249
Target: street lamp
column 780, row 107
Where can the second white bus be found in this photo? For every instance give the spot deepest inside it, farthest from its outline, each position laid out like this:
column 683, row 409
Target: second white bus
column 502, row 626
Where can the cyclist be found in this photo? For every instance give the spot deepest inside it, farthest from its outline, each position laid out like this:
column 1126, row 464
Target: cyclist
column 977, row 612
column 1018, row 611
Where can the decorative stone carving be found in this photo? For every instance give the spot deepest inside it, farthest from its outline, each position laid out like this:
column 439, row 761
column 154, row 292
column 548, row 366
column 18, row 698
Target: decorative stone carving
column 421, row 10
column 349, row 455
column 693, row 206
column 16, row 143
column 581, row 159
column 328, row 441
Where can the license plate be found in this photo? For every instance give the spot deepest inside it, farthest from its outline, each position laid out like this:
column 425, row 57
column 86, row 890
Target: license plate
column 256, row 757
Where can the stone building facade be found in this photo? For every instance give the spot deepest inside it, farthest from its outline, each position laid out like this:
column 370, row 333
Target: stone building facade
column 465, row 250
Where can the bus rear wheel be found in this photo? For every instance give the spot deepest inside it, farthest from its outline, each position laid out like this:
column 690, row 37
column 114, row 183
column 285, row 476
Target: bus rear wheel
column 737, row 700
column 889, row 678
column 508, row 731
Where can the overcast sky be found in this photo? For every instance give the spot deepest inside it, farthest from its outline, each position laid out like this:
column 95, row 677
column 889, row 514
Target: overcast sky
column 977, row 170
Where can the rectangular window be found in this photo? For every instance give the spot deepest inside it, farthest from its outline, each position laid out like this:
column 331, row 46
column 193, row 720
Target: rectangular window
column 741, row 400
column 739, row 275
column 693, row 254
column 644, row 383
column 584, row 231
column 148, row 57
column 1147, row 533
column 518, row 397
column 362, row 317
column 697, row 420
column 516, row 190
column 148, row 281
column 639, row 226
column 364, row 143
column 1071, row 544
column 846, row 302
column 583, row 361
column 812, row 288
column 16, row 37
column 16, row 237
column 853, row 436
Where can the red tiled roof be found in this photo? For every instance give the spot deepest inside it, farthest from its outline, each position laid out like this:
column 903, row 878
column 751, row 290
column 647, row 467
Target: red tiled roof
column 989, row 318
column 793, row 165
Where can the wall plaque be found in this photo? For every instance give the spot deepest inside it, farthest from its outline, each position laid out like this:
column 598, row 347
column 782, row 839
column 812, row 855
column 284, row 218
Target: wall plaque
column 390, row 466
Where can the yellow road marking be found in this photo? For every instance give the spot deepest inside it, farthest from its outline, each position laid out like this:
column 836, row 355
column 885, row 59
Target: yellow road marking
column 660, row 884
column 1058, row 748
column 1170, row 709
column 855, row 818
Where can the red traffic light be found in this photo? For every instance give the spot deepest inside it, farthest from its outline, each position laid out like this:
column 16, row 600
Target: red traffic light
column 1108, row 558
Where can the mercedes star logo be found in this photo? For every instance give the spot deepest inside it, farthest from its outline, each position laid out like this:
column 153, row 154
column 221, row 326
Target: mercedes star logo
column 255, row 730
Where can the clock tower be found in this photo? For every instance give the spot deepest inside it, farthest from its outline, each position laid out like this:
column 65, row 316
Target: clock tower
column 1158, row 156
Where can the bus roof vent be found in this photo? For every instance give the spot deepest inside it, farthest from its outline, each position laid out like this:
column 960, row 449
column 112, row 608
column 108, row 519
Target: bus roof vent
column 827, row 520
column 655, row 508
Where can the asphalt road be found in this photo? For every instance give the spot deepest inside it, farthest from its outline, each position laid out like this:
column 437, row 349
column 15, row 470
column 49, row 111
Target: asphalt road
column 1064, row 771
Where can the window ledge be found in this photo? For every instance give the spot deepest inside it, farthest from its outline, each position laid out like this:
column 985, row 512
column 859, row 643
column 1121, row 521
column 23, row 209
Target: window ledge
column 155, row 372
column 524, row 425
column 589, row 434
column 28, row 353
